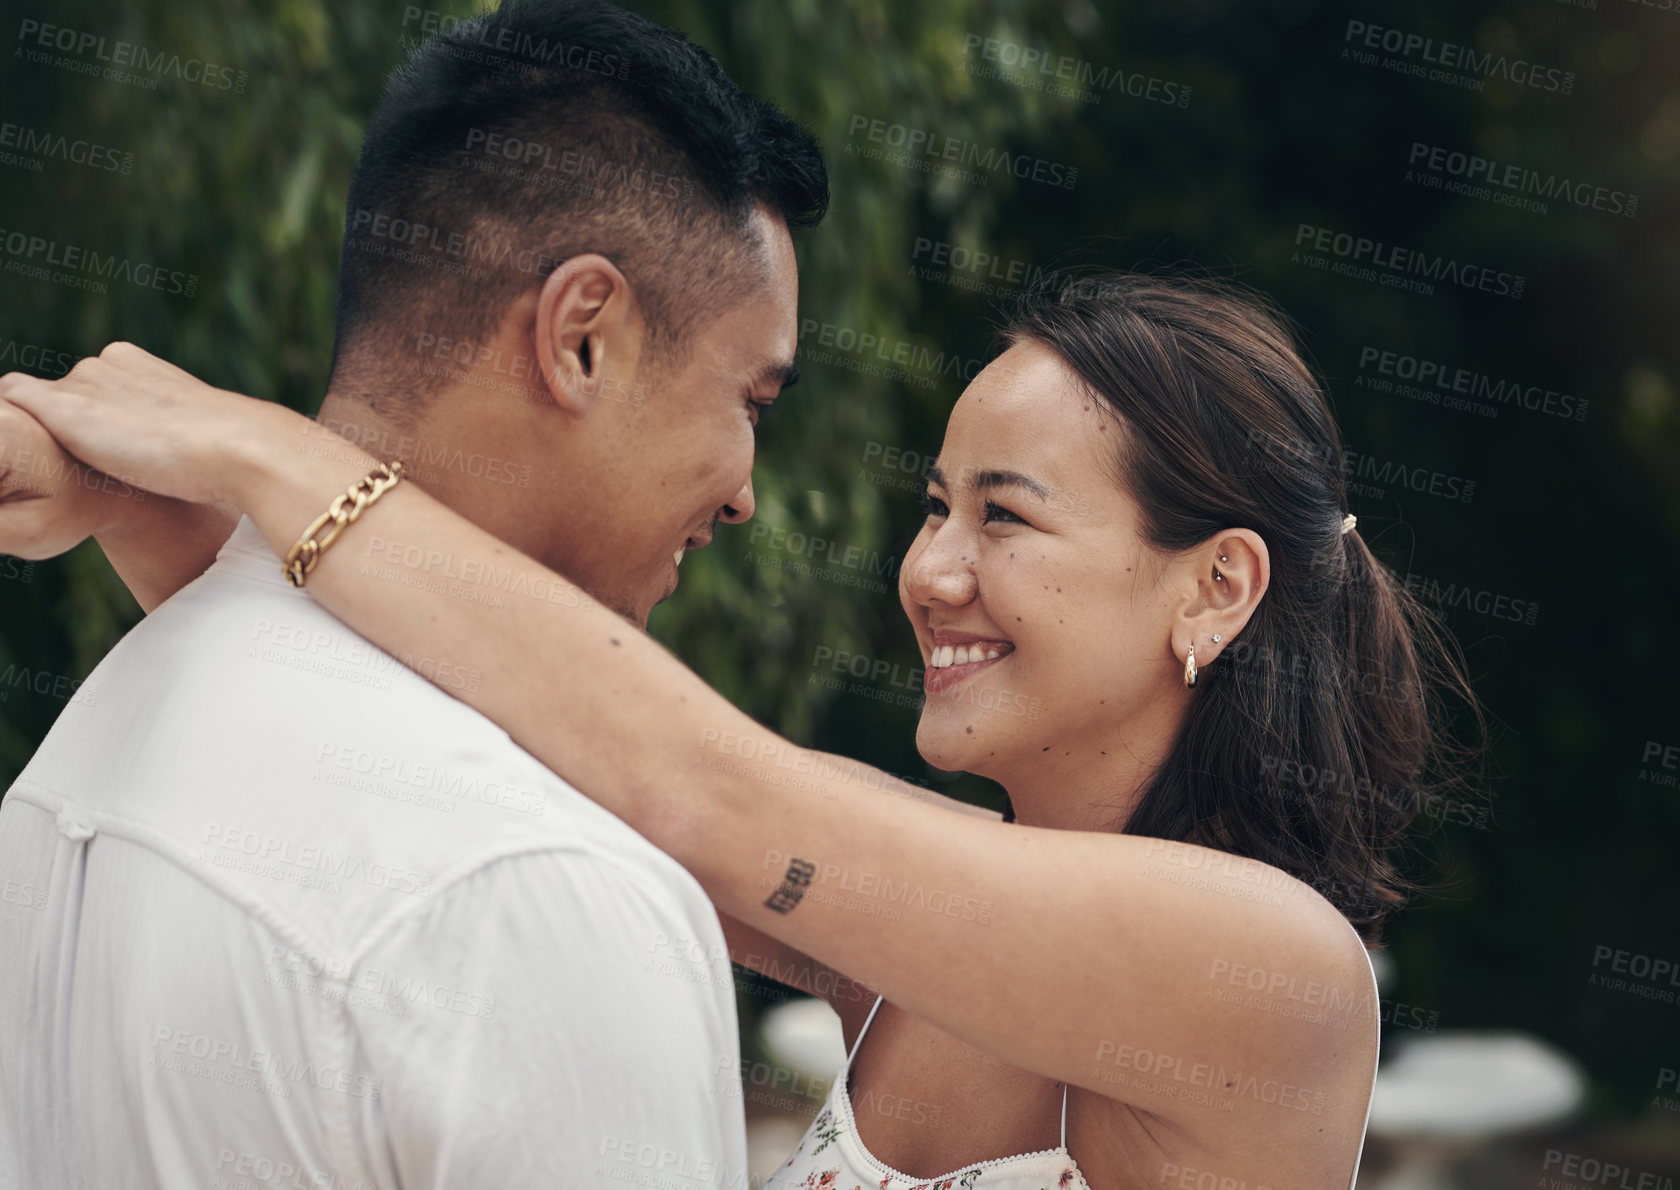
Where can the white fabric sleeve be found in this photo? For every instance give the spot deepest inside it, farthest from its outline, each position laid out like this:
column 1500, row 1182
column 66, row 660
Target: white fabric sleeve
column 557, row 1019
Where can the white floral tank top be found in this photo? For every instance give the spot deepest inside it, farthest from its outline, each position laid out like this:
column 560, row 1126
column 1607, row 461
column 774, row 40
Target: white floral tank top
column 832, row 1156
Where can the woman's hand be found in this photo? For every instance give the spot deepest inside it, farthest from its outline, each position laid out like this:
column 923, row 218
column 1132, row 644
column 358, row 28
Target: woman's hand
column 130, row 414
column 50, row 503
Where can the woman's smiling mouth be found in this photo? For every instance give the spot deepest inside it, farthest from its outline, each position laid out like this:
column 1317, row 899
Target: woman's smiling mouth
column 955, row 656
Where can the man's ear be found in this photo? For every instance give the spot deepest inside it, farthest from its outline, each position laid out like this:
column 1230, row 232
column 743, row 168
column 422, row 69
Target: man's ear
column 588, row 328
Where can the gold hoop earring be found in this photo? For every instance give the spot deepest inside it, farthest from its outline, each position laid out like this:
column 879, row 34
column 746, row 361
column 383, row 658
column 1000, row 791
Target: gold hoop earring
column 1190, row 666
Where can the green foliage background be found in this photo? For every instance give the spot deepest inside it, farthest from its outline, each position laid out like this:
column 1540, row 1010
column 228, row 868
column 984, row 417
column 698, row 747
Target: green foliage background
column 247, row 191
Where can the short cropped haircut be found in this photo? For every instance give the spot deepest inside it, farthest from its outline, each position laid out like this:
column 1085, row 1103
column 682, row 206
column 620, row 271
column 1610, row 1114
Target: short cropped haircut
column 515, row 139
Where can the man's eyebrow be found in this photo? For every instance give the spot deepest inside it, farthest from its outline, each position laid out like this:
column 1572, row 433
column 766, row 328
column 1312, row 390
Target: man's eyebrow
column 781, row 375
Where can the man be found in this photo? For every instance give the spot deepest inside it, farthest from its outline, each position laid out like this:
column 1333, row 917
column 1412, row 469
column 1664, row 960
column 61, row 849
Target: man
column 294, row 916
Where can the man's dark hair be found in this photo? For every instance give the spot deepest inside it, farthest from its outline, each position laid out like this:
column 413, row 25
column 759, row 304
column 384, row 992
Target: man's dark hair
column 548, row 128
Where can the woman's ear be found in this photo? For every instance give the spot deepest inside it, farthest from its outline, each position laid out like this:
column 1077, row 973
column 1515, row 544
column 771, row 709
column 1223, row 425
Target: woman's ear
column 587, row 324
column 1223, row 581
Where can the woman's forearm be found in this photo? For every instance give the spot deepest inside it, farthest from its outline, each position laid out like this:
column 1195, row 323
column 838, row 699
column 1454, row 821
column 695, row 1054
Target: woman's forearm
column 829, row 856
column 1097, row 942
column 160, row 545
column 580, row 687
column 599, row 701
column 589, row 693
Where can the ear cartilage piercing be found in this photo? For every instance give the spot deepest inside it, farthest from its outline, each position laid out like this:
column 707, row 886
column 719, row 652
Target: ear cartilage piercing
column 1216, row 638
column 1223, row 558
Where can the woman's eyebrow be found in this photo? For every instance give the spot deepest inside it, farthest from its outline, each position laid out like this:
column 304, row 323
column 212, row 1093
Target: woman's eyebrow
column 982, row 481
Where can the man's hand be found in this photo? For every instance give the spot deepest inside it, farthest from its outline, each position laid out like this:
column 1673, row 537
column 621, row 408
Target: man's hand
column 50, row 503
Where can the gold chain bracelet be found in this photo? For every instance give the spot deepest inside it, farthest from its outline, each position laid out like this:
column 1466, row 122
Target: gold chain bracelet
column 303, row 556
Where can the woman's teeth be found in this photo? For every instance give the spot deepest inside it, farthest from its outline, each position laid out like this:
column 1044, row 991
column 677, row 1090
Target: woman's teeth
column 944, row 656
column 678, row 556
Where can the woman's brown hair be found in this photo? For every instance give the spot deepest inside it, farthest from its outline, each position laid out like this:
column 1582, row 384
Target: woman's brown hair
column 1317, row 736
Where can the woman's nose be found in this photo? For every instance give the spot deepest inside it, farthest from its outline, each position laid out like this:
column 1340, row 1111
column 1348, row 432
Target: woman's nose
column 940, row 567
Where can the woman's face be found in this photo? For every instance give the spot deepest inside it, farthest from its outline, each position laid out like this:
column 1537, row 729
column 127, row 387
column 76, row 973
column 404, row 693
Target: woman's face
column 1030, row 565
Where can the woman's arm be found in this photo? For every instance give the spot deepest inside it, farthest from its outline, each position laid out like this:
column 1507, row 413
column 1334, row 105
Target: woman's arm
column 851, row 999
column 1068, row 953
column 50, row 503
column 1062, row 952
column 160, row 545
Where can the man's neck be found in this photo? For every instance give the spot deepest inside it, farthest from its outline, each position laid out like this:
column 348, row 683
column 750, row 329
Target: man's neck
column 354, row 419
column 480, row 470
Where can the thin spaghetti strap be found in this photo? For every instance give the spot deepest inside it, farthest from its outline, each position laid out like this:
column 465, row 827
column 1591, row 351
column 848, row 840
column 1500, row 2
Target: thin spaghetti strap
column 866, row 1023
column 1064, row 1116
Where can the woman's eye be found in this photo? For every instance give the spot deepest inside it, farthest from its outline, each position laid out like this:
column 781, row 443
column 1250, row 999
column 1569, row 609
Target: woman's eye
column 996, row 512
column 933, row 506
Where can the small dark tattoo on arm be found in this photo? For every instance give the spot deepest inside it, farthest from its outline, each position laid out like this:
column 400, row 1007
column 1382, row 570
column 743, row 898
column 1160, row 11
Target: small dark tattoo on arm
column 793, row 886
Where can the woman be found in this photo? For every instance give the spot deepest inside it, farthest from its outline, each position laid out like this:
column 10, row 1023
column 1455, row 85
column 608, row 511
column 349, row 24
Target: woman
column 1143, row 610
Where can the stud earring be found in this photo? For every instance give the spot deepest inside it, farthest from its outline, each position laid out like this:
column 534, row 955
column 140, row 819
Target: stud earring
column 1223, row 558
column 1190, row 666
column 1216, row 638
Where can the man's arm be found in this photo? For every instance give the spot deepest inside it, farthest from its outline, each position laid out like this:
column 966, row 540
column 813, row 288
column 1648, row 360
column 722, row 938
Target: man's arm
column 50, row 503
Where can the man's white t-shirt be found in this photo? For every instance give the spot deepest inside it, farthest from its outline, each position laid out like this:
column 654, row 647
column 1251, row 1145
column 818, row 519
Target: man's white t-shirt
column 277, row 913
